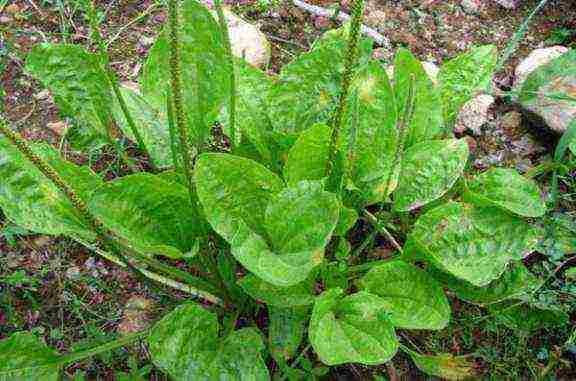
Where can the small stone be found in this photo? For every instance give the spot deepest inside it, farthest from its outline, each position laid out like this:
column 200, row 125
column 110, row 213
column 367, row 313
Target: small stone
column 509, row 4
column 376, row 18
column 474, row 114
column 44, row 94
column 536, row 59
column 247, row 40
column 471, row 6
column 146, row 41
column 12, row 9
column 322, row 22
column 59, row 128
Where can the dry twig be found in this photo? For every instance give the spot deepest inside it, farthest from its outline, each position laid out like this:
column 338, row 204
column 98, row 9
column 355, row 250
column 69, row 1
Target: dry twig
column 319, row 11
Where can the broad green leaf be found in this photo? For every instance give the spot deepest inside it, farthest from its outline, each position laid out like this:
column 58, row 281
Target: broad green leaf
column 426, row 119
column 300, row 221
column 429, row 170
column 474, row 244
column 570, row 274
column 286, row 330
column 205, row 77
column 377, row 135
column 528, row 317
column 24, row 357
column 508, row 189
column 549, row 92
column 185, row 344
column 444, row 365
column 308, row 158
column 235, row 192
column 413, row 298
column 279, row 235
column 32, row 201
column 516, row 282
column 351, row 329
column 152, row 215
column 252, row 88
column 307, row 88
column 463, row 76
column 152, row 124
column 560, row 235
column 294, row 296
column 77, row 82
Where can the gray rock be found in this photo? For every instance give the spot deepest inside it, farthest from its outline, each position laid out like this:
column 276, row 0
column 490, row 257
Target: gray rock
column 146, row 41
column 536, row 59
column 550, row 98
column 474, row 114
column 509, row 4
column 557, row 113
column 247, row 41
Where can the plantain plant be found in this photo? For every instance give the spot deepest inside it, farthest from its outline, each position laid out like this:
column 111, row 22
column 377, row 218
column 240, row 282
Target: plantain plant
column 327, row 144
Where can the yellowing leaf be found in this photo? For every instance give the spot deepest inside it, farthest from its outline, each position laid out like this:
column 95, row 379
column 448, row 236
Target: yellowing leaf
column 445, row 365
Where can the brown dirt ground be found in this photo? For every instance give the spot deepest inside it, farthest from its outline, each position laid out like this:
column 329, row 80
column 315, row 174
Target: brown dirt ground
column 434, row 30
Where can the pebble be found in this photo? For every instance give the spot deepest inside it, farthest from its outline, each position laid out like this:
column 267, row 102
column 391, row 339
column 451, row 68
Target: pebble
column 44, row 94
column 471, row 6
column 146, row 41
column 376, row 18
column 59, row 128
column 322, row 22
column 509, row 4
